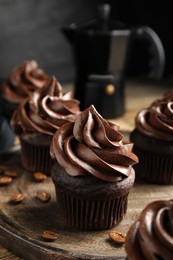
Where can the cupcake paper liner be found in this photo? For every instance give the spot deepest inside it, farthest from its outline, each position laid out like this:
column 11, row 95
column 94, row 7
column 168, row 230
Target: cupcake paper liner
column 154, row 167
column 35, row 158
column 90, row 214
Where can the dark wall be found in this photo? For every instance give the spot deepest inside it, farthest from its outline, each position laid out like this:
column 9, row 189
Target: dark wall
column 31, row 30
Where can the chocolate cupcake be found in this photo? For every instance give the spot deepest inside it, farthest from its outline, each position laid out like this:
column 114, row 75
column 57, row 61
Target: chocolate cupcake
column 37, row 119
column 153, row 141
column 92, row 172
column 22, row 81
column 151, row 237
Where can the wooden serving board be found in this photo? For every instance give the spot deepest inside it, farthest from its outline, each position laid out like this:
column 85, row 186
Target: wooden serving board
column 21, row 225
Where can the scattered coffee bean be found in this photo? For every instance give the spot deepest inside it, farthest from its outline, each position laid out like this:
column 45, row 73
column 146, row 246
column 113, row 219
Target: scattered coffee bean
column 17, row 197
column 40, row 176
column 5, row 180
column 43, row 196
column 10, row 173
column 6, row 171
column 49, row 236
column 117, row 237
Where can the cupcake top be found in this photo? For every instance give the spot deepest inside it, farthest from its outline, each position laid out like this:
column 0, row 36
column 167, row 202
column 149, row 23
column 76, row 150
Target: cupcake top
column 151, row 237
column 23, row 80
column 45, row 110
column 93, row 145
column 157, row 120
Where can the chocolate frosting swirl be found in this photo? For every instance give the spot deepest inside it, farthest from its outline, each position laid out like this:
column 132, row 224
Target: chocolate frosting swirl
column 157, row 120
column 151, row 237
column 23, row 80
column 93, row 145
column 45, row 110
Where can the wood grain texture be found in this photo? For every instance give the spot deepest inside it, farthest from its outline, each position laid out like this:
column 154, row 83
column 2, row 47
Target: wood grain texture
column 21, row 225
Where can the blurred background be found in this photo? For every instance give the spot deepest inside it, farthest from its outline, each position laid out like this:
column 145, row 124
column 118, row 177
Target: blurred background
column 31, row 30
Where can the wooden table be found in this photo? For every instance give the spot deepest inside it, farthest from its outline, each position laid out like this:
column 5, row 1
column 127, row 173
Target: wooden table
column 138, row 95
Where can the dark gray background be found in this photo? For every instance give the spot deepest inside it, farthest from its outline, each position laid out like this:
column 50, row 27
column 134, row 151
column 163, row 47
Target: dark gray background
column 30, row 29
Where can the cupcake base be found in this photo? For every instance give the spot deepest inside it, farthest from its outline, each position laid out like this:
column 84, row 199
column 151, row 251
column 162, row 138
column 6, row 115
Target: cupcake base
column 91, row 215
column 35, row 155
column 8, row 108
column 155, row 159
column 88, row 203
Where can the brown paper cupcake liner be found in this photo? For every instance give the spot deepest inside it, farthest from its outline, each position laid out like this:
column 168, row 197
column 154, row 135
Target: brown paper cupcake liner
column 35, row 158
column 154, row 167
column 89, row 214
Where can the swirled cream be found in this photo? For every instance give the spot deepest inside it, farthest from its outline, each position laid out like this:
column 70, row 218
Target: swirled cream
column 157, row 120
column 93, row 145
column 45, row 110
column 23, row 80
column 151, row 237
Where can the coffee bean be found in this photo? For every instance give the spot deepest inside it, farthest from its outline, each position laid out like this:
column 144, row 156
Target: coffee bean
column 6, row 171
column 117, row 237
column 10, row 173
column 40, row 176
column 43, row 196
column 49, row 236
column 17, row 197
column 5, row 180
